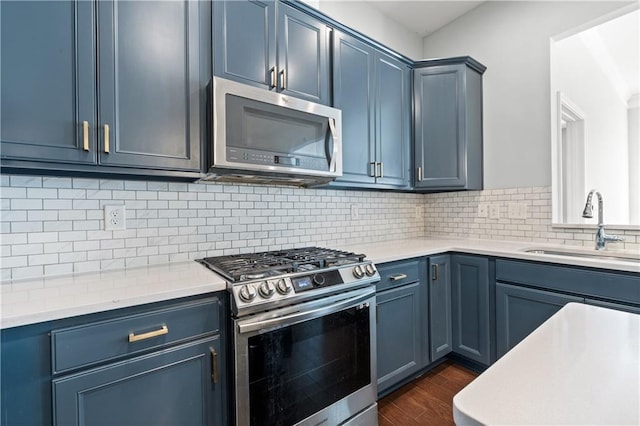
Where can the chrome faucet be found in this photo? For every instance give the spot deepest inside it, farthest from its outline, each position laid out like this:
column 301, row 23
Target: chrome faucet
column 602, row 238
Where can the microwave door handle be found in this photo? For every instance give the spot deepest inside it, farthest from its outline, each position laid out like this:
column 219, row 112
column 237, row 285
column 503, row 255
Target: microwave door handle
column 332, row 129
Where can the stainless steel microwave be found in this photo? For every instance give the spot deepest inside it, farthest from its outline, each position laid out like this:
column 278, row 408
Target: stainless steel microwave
column 268, row 137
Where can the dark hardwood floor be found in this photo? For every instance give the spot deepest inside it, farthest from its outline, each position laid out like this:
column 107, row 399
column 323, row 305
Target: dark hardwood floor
column 427, row 400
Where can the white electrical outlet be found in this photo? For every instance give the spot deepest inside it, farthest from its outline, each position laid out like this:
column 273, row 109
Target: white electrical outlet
column 419, row 212
column 494, row 211
column 114, row 218
column 354, row 212
column 517, row 211
column 483, row 210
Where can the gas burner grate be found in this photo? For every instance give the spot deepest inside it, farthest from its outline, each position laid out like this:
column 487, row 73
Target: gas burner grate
column 241, row 267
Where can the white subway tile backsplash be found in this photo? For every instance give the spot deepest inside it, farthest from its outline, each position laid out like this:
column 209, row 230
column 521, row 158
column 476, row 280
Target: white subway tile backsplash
column 178, row 221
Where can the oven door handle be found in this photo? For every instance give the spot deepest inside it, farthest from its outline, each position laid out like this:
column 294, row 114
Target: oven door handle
column 300, row 316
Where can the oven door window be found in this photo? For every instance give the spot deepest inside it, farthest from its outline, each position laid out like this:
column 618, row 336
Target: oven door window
column 300, row 369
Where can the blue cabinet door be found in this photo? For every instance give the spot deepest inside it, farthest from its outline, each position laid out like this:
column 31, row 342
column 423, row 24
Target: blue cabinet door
column 244, row 41
column 48, row 81
column 399, row 334
column 520, row 310
column 441, row 342
column 303, row 55
column 448, row 124
column 353, row 74
column 470, row 310
column 177, row 386
column 393, row 129
column 152, row 74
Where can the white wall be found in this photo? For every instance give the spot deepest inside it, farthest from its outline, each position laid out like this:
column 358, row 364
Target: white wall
column 363, row 17
column 512, row 39
column 634, row 159
column 576, row 73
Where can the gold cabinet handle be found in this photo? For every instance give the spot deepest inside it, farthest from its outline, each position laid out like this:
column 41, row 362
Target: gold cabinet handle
column 283, row 79
column 434, row 272
column 381, row 166
column 397, row 277
column 272, row 78
column 419, row 174
column 136, row 338
column 106, row 138
column 85, row 135
column 214, row 365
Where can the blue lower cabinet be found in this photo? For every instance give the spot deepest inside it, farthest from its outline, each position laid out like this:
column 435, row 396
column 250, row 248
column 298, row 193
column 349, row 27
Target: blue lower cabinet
column 399, row 334
column 471, row 321
column 520, row 310
column 177, row 386
column 439, row 279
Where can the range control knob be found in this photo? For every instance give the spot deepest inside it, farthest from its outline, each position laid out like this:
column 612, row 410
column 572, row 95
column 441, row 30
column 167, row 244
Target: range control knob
column 266, row 289
column 247, row 293
column 318, row 279
column 369, row 270
column 283, row 286
column 358, row 272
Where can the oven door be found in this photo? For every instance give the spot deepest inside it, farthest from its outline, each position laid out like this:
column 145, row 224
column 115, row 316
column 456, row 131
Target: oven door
column 312, row 363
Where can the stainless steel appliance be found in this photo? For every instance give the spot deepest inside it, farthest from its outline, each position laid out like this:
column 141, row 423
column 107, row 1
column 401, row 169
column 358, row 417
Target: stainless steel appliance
column 263, row 136
column 304, row 336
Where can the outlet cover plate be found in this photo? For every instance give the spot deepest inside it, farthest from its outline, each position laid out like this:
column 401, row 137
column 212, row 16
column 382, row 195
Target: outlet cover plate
column 114, row 218
column 494, row 211
column 483, row 210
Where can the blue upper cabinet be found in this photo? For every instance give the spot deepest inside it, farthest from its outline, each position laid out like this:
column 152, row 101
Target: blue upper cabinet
column 151, row 83
column 48, row 81
column 353, row 73
column 303, row 55
column 105, row 87
column 244, row 47
column 372, row 90
column 392, row 121
column 448, row 124
column 247, row 36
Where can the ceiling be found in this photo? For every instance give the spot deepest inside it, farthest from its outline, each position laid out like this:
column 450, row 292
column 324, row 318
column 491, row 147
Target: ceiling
column 426, row 16
column 622, row 43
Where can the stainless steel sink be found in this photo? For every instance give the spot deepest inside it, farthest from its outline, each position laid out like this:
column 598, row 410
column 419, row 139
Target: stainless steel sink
column 618, row 257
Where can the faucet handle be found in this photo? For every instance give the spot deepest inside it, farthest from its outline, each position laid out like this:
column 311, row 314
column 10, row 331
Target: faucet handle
column 611, row 237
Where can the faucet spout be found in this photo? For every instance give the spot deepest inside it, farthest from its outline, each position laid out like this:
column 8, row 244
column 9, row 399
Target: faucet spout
column 601, row 236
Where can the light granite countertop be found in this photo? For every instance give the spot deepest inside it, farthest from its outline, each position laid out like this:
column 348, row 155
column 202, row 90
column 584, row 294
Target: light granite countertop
column 36, row 300
column 580, row 367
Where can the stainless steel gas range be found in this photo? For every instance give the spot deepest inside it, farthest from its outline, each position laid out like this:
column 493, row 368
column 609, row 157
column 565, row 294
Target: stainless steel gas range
column 304, row 336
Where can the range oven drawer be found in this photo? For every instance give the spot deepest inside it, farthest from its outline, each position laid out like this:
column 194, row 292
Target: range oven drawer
column 395, row 274
column 84, row 345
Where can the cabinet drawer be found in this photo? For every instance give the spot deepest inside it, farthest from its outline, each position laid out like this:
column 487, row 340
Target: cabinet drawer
column 617, row 286
column 395, row 274
column 84, row 345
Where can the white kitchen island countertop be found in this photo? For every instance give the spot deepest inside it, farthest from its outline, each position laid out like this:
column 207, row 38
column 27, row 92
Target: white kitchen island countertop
column 580, row 367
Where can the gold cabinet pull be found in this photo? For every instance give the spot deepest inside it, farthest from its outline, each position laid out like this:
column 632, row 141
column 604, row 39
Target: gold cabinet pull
column 381, row 170
column 136, row 338
column 434, row 272
column 272, row 75
column 214, row 365
column 419, row 174
column 397, row 277
column 283, row 79
column 85, row 135
column 106, row 138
